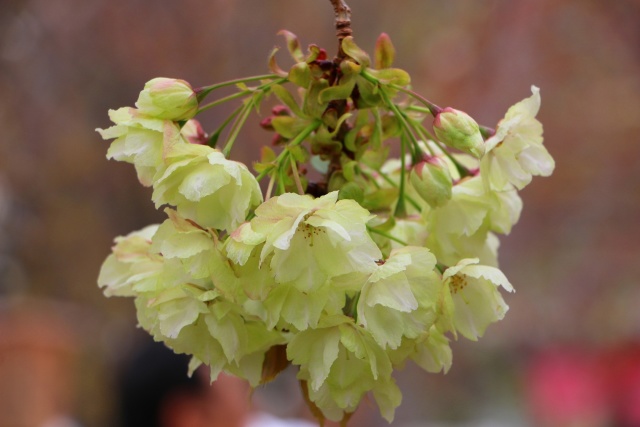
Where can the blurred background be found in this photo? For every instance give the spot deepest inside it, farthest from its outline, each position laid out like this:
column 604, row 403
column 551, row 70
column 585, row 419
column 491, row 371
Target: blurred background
column 568, row 352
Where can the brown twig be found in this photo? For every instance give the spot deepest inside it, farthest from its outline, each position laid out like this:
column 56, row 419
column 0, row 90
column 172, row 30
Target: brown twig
column 343, row 23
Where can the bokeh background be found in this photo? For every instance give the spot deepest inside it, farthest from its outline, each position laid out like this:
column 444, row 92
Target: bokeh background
column 567, row 352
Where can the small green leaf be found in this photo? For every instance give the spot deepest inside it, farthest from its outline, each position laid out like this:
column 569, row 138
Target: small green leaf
column 341, row 91
column 341, row 120
column 369, row 94
column 286, row 97
column 380, row 199
column 300, row 75
column 375, row 158
column 312, row 106
column 384, row 53
column 337, row 181
column 350, row 48
column 394, row 76
column 349, row 170
column 267, row 154
column 350, row 67
column 288, row 126
column 352, row 191
column 299, row 153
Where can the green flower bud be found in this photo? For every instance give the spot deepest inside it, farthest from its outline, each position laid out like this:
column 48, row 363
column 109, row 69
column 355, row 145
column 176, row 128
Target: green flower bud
column 168, row 99
column 432, row 181
column 458, row 130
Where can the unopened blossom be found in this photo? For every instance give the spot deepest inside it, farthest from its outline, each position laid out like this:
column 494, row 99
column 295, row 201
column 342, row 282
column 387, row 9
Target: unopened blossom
column 432, row 181
column 458, row 130
column 168, row 99
column 515, row 153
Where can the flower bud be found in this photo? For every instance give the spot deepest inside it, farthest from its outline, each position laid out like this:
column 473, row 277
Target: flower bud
column 193, row 132
column 432, row 181
column 168, row 99
column 458, row 130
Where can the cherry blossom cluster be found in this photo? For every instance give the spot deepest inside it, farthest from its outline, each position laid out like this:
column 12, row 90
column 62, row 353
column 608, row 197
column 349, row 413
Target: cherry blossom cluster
column 347, row 262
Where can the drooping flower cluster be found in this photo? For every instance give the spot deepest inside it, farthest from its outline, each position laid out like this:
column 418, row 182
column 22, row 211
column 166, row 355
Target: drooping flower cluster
column 347, row 277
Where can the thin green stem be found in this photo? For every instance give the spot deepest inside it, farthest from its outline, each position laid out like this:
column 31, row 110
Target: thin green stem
column 387, row 235
column 240, row 94
column 237, row 126
column 281, row 187
column 296, row 141
column 296, row 176
column 213, row 139
column 206, row 90
column 415, row 147
column 423, row 133
column 463, row 171
column 401, row 209
column 433, row 108
column 270, row 186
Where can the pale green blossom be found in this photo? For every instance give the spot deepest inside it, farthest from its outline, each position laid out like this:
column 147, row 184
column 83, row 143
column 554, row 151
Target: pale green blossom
column 132, row 265
column 471, row 299
column 464, row 227
column 140, row 140
column 206, row 187
column 515, row 153
column 311, row 240
column 398, row 299
column 340, row 363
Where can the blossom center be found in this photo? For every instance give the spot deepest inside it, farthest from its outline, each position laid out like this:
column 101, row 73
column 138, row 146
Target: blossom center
column 309, row 231
column 457, row 284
